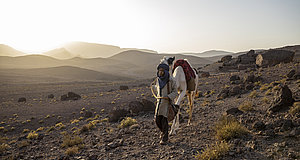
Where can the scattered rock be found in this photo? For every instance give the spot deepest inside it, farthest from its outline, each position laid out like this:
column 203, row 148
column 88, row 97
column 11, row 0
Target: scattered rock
column 135, row 107
column 235, row 91
column 223, row 94
column 124, row 87
column 287, row 124
column 70, row 96
column 116, row 143
column 226, row 58
column 148, row 105
column 258, row 125
column 295, row 132
column 88, row 114
column 234, row 78
column 50, row 96
column 251, row 78
column 204, row 74
column 234, row 111
column 249, row 86
column 291, row 73
column 116, row 114
column 22, row 99
column 283, row 100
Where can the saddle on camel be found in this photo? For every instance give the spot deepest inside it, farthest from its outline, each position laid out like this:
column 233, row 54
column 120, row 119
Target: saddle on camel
column 188, row 72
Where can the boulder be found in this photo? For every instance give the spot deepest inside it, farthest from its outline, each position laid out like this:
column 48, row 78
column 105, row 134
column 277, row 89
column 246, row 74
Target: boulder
column 248, row 58
column 124, row 87
column 249, row 86
column 283, row 100
column 246, row 66
column 234, row 78
column 291, row 73
column 223, row 94
column 50, row 96
column 148, row 105
column 234, row 111
column 117, row 114
column 235, row 91
column 274, row 56
column 258, row 125
column 22, row 99
column 251, row 78
column 88, row 114
column 204, row 74
column 135, row 107
column 226, row 58
column 70, row 96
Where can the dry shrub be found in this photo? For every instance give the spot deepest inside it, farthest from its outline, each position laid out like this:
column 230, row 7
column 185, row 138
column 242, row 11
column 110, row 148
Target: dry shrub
column 4, row 147
column 50, row 129
column 22, row 144
column 60, row 126
column 264, row 87
column 228, row 128
column 128, row 121
column 295, row 109
column 40, row 129
column 32, row 135
column 269, row 92
column 266, row 100
column 69, row 141
column 215, row 151
column 246, row 106
column 253, row 94
column 72, row 151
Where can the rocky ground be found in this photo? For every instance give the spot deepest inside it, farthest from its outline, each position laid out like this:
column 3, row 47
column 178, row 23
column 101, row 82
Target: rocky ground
column 48, row 128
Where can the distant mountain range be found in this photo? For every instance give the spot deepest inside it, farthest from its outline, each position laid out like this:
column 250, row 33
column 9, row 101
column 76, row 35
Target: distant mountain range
column 74, row 62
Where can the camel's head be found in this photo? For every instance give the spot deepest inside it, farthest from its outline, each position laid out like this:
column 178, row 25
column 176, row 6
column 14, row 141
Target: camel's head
column 168, row 60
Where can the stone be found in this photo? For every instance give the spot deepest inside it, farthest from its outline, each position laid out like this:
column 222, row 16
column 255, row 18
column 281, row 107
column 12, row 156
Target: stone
column 282, row 101
column 249, row 86
column 22, row 99
column 234, row 78
column 287, row 124
column 50, row 96
column 235, row 91
column 226, row 58
column 258, row 125
column 291, row 73
column 135, row 107
column 88, row 114
column 116, row 115
column 70, row 96
column 234, row 111
column 148, row 105
column 223, row 94
column 124, row 87
column 204, row 74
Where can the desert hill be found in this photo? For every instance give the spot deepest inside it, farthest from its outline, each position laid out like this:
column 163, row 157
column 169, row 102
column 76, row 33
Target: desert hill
column 6, row 50
column 56, row 74
column 60, row 53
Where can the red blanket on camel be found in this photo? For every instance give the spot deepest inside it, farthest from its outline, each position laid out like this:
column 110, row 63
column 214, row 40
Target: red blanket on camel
column 188, row 70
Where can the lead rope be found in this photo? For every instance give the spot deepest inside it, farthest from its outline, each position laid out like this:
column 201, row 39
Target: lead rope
column 152, row 89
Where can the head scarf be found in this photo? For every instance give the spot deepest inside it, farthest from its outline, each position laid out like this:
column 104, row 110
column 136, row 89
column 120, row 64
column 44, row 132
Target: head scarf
column 163, row 80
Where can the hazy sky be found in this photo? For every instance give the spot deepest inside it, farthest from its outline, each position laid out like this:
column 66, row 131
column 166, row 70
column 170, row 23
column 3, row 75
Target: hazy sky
column 161, row 25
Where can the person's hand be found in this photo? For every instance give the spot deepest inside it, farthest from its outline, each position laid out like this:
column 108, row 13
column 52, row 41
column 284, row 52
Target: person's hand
column 166, row 98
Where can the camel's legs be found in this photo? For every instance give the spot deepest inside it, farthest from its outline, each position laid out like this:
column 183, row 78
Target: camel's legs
column 175, row 124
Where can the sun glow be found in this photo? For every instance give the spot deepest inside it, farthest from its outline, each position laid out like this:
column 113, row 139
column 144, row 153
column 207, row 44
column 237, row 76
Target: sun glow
column 36, row 26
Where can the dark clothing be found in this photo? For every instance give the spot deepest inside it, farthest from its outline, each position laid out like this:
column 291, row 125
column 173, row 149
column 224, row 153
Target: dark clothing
column 162, row 124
